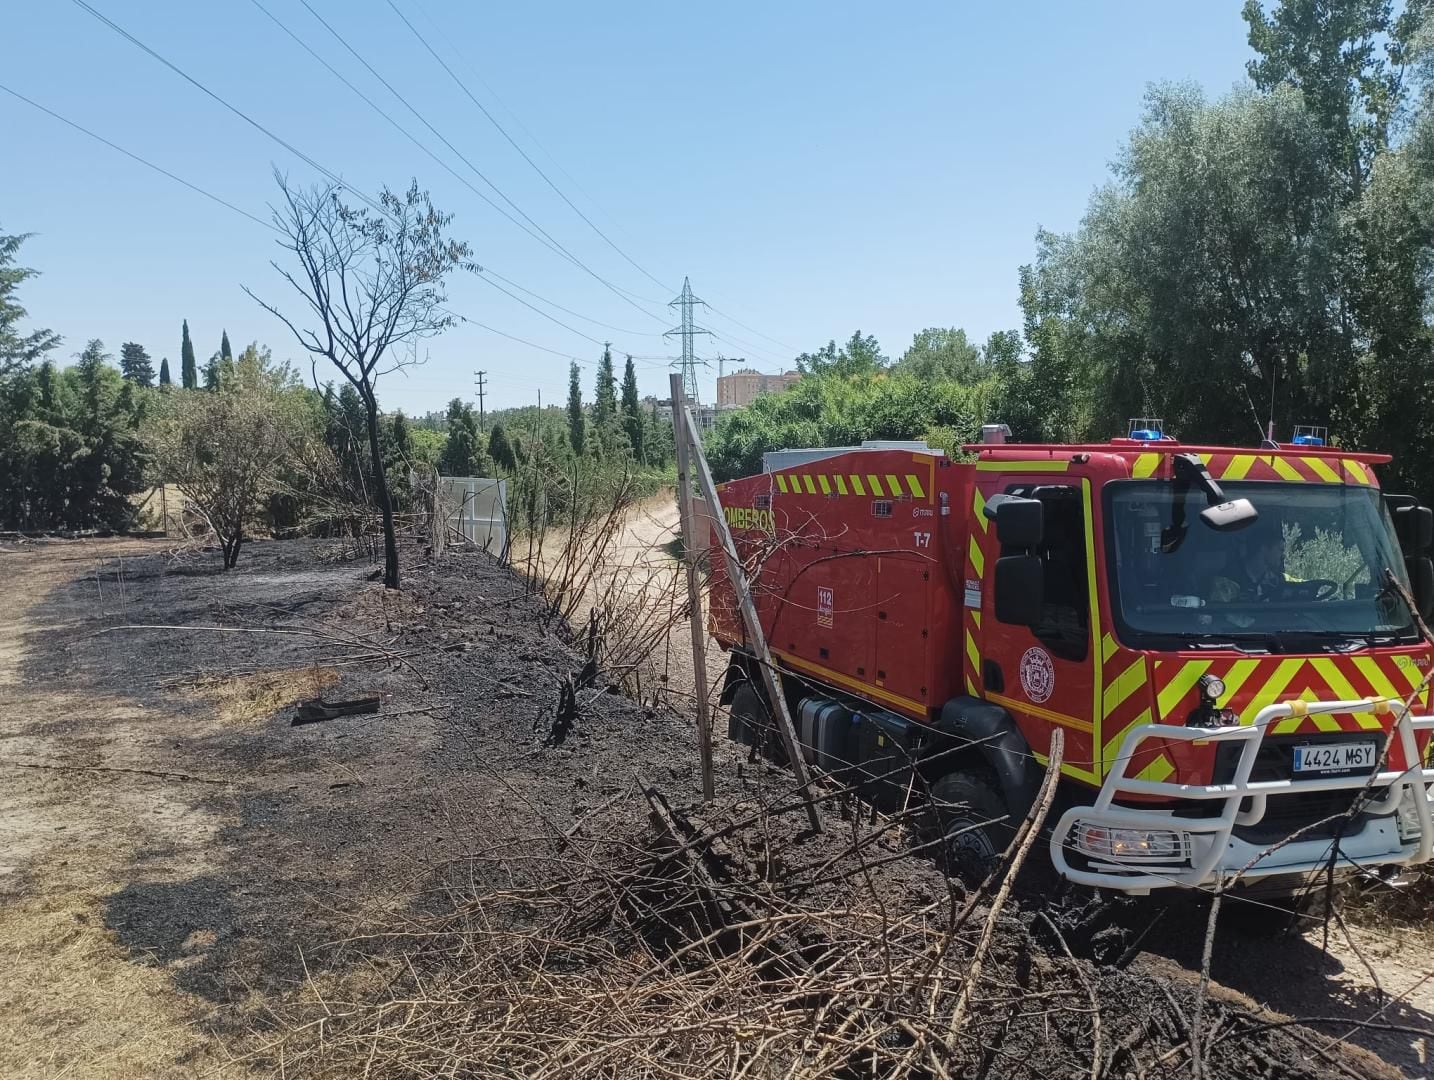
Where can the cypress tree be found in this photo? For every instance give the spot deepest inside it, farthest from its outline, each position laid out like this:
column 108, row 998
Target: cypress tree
column 164, row 372
column 632, row 413
column 605, row 393
column 188, row 372
column 224, row 350
column 575, row 410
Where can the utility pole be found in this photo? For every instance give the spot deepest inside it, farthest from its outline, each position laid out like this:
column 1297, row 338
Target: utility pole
column 686, row 329
column 481, row 388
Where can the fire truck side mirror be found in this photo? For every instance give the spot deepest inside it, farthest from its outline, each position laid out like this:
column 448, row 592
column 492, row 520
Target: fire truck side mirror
column 1414, row 524
column 1020, row 589
column 1019, row 522
column 1421, row 576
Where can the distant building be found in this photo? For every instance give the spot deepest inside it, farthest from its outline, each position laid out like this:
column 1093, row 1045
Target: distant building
column 743, row 387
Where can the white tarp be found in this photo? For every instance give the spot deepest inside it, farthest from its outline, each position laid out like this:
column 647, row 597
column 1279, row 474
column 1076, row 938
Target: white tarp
column 475, row 508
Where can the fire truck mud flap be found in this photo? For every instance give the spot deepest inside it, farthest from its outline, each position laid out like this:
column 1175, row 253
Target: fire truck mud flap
column 1136, row 848
column 970, row 725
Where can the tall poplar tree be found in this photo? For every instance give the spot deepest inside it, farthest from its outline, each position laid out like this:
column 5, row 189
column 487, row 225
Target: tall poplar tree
column 164, row 372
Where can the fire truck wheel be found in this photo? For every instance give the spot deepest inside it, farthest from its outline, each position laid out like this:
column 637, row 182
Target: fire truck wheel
column 751, row 720
column 968, row 811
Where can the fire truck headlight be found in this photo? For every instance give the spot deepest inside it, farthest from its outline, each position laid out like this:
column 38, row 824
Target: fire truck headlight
column 1132, row 845
column 1212, row 686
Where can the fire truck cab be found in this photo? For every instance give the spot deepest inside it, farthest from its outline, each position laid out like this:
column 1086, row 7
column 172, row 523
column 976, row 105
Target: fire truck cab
column 1223, row 635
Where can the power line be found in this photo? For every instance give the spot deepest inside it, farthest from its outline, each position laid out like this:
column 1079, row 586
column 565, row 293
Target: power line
column 332, row 176
column 513, row 143
column 335, row 178
column 478, row 172
column 483, row 270
column 260, row 221
column 135, row 157
column 751, row 330
column 532, row 136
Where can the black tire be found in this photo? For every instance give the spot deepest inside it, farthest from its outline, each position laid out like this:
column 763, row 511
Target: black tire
column 968, row 813
column 750, row 721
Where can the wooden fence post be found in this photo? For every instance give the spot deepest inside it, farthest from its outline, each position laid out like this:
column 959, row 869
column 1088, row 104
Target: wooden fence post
column 756, row 638
column 694, row 585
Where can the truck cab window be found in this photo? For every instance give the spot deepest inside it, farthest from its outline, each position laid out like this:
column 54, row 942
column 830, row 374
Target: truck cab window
column 1064, row 628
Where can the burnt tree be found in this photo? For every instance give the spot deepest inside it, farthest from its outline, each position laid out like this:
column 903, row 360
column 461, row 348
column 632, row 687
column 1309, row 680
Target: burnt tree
column 372, row 278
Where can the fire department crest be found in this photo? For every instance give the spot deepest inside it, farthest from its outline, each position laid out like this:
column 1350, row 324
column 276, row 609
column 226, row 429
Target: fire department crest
column 1038, row 675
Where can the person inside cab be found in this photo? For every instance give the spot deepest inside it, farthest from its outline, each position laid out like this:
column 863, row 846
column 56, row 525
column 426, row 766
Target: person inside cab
column 1256, row 571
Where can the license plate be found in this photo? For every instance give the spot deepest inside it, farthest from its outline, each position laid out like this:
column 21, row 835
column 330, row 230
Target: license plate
column 1334, row 757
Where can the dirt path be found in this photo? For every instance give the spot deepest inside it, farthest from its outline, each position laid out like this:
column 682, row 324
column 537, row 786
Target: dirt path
column 73, row 1001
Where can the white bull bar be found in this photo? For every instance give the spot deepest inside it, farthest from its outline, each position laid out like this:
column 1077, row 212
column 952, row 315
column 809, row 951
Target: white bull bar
column 1205, row 851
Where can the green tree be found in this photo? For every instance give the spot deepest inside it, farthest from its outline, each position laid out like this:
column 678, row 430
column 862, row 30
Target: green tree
column 188, row 373
column 164, row 372
column 224, row 351
column 1347, row 59
column 632, row 422
column 860, row 355
column 576, row 419
column 17, row 350
column 499, row 449
column 942, row 354
column 462, row 454
column 605, row 393
column 135, row 364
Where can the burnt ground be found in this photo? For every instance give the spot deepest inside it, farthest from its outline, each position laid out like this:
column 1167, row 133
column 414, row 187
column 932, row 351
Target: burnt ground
column 176, row 859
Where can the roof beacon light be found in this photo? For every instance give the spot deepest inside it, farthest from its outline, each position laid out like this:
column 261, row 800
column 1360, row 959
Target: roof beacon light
column 1146, row 429
column 1310, row 435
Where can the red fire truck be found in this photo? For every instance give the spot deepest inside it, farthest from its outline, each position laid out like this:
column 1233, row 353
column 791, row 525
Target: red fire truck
column 1221, row 633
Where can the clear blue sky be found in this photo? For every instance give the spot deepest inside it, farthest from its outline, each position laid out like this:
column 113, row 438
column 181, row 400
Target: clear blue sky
column 814, row 167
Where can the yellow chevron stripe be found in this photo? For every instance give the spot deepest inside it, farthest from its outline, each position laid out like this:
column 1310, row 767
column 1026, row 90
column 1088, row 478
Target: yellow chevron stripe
column 1358, row 473
column 1145, row 466
column 807, row 480
column 1107, row 648
column 781, row 483
column 1179, row 686
column 971, row 653
column 1239, row 673
column 1123, row 685
column 1271, row 691
column 978, row 558
column 1157, row 770
column 1112, row 746
column 824, row 485
column 978, row 510
column 1239, row 467
column 856, row 485
column 840, row 483
column 917, row 491
column 1320, row 469
column 1286, row 470
column 976, row 618
column 970, row 686
column 893, row 485
column 874, row 483
column 1329, row 671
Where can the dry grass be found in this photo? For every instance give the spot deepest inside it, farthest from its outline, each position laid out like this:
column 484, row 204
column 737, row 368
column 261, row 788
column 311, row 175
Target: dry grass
column 246, row 699
column 74, row 1000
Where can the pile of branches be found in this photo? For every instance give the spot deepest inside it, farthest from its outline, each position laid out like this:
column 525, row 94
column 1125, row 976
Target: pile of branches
column 730, row 945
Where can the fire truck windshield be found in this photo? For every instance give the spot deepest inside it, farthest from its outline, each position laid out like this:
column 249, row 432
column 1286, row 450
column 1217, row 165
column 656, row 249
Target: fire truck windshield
column 1311, row 567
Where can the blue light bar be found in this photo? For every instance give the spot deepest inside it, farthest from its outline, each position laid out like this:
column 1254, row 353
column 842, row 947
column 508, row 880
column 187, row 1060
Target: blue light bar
column 1147, row 435
column 1308, row 440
